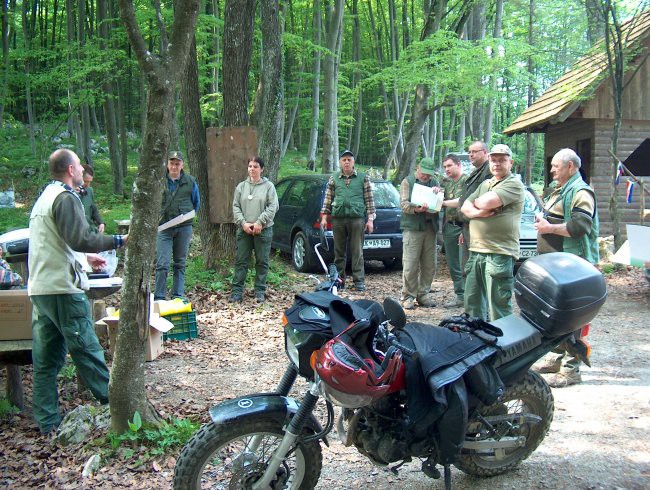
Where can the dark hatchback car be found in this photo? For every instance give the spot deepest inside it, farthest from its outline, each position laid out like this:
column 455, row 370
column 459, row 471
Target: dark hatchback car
column 296, row 228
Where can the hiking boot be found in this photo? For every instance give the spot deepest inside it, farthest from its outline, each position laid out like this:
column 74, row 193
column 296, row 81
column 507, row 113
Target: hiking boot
column 259, row 296
column 235, row 298
column 359, row 286
column 560, row 380
column 455, row 303
column 548, row 365
column 408, row 304
column 426, row 302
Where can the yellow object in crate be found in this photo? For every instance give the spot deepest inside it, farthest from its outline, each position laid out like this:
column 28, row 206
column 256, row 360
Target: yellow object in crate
column 175, row 305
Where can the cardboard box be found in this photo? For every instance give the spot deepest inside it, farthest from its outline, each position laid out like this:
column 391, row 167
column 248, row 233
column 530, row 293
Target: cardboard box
column 15, row 315
column 157, row 326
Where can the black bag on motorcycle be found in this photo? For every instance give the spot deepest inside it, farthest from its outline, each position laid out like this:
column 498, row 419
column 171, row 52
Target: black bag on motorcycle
column 559, row 292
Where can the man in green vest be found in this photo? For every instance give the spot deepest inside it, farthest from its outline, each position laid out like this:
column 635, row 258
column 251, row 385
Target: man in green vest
column 419, row 238
column 494, row 211
column 180, row 196
column 453, row 227
column 348, row 200
column 87, row 195
column 569, row 224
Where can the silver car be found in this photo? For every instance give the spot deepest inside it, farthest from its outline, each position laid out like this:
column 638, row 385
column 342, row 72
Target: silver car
column 527, row 233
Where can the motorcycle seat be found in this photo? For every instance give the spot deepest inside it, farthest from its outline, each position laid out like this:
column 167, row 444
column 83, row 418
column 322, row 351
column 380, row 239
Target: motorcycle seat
column 519, row 337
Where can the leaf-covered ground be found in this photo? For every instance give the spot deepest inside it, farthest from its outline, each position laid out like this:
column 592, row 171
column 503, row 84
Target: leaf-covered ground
column 598, row 438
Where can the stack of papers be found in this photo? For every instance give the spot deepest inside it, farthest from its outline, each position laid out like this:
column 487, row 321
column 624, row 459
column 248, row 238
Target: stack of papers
column 423, row 194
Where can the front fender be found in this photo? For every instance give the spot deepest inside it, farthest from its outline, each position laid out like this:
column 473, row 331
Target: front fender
column 277, row 407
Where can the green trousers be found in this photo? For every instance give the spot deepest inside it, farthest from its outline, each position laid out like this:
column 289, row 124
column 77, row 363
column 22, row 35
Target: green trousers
column 453, row 254
column 246, row 245
column 63, row 323
column 489, row 285
column 418, row 259
column 348, row 238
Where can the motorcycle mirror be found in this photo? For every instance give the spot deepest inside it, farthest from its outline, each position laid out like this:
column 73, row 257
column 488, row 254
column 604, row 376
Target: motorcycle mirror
column 394, row 312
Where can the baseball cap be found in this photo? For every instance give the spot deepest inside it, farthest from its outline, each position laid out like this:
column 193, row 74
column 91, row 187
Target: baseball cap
column 427, row 166
column 346, row 152
column 177, row 155
column 501, row 150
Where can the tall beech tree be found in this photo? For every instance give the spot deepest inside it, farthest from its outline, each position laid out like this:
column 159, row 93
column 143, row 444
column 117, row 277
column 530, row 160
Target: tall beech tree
column 127, row 388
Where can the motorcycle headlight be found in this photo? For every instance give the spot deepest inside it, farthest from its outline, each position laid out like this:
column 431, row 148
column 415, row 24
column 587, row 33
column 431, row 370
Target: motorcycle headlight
column 293, row 339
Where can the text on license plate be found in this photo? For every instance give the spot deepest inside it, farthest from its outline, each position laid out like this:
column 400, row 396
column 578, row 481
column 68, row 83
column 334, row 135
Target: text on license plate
column 527, row 253
column 377, row 243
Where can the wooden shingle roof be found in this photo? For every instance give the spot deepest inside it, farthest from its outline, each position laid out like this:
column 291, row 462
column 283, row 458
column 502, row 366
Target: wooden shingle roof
column 577, row 85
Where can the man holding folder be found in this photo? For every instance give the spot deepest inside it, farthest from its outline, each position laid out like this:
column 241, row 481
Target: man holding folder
column 180, row 196
column 418, row 224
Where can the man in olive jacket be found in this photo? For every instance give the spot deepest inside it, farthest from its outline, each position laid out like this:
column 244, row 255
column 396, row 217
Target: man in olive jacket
column 180, row 196
column 418, row 225
column 59, row 237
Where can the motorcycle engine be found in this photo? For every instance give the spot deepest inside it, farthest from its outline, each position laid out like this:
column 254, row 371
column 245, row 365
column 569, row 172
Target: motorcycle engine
column 381, row 438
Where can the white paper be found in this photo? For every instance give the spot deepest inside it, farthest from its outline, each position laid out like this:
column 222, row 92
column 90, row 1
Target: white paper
column 423, row 194
column 622, row 256
column 177, row 220
column 639, row 237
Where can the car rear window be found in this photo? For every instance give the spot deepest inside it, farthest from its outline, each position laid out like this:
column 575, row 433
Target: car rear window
column 385, row 195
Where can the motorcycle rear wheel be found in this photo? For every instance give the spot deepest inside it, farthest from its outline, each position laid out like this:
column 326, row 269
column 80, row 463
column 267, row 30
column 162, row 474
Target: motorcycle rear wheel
column 529, row 395
column 217, row 457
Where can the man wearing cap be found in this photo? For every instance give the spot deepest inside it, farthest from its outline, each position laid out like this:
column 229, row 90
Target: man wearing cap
column 494, row 211
column 180, row 196
column 569, row 224
column 453, row 227
column 348, row 200
column 419, row 245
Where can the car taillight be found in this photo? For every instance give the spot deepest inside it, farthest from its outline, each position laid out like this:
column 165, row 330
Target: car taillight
column 585, row 330
column 328, row 228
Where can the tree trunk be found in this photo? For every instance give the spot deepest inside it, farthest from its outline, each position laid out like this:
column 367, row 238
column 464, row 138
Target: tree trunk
column 5, row 59
column 272, row 113
column 110, row 120
column 530, row 150
column 237, row 51
column 28, row 88
column 86, row 154
column 496, row 34
column 127, row 385
column 197, row 148
column 334, row 27
column 315, row 90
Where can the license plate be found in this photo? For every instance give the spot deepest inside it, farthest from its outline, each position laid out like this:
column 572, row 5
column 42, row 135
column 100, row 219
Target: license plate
column 377, row 243
column 527, row 253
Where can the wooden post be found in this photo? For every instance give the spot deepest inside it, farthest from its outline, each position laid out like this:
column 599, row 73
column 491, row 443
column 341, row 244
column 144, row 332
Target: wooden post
column 15, row 386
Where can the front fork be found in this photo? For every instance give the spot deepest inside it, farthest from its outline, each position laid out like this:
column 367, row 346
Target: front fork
column 284, row 387
column 291, row 433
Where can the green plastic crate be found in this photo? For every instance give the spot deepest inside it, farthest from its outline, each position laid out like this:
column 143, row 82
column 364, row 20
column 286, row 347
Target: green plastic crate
column 184, row 326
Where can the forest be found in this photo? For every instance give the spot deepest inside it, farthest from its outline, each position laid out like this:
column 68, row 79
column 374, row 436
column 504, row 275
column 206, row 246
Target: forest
column 391, row 80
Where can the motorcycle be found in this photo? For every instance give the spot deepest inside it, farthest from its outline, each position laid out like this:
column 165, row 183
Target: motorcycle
column 460, row 393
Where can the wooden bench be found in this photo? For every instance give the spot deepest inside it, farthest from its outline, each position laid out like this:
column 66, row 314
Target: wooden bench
column 13, row 354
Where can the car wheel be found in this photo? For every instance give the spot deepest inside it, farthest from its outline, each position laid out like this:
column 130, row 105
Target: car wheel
column 301, row 254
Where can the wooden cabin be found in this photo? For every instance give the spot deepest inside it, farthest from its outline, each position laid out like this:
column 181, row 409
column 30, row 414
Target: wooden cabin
column 577, row 112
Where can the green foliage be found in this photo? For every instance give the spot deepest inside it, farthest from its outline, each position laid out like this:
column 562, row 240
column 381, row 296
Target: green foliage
column 149, row 440
column 68, row 371
column 7, row 409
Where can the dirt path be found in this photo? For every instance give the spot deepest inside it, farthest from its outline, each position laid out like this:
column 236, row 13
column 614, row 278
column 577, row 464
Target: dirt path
column 598, row 438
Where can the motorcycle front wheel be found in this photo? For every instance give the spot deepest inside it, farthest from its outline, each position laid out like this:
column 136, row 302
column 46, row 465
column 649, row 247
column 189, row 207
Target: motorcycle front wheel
column 235, row 455
column 530, row 395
